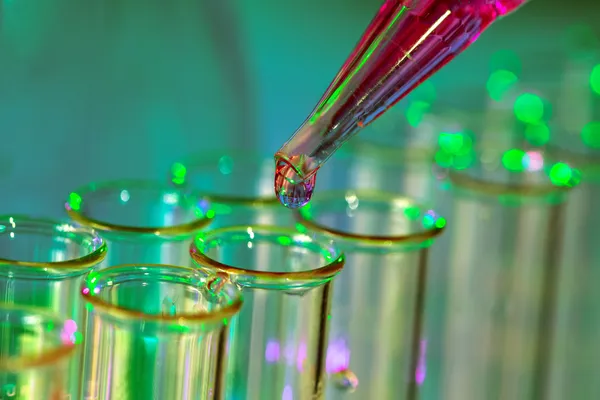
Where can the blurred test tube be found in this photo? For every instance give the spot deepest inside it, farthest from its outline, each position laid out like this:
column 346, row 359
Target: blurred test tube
column 279, row 341
column 42, row 264
column 36, row 351
column 142, row 221
column 377, row 344
column 508, row 208
column 140, row 346
column 239, row 185
column 576, row 355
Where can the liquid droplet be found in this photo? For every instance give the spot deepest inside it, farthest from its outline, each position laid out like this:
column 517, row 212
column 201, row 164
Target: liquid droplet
column 345, row 380
column 291, row 190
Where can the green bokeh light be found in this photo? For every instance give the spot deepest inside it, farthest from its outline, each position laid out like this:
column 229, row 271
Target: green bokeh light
column 513, row 160
column 529, row 108
column 455, row 150
column 499, row 83
column 590, row 134
column 562, row 174
column 537, row 134
column 178, row 172
column 75, row 201
column 416, row 111
column 595, row 79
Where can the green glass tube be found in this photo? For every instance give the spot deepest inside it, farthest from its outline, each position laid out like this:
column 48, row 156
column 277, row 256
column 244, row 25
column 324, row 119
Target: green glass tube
column 42, row 264
column 502, row 272
column 239, row 185
column 377, row 336
column 278, row 342
column 142, row 346
column 37, row 349
column 142, row 221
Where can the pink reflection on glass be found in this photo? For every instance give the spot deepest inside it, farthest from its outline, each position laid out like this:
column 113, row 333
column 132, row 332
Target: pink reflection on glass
column 67, row 334
column 301, row 356
column 338, row 356
column 287, row 393
column 272, row 351
column 533, row 161
column 421, row 371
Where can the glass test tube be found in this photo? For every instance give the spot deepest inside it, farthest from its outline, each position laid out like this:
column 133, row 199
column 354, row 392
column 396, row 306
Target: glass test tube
column 502, row 274
column 376, row 342
column 278, row 342
column 140, row 346
column 42, row 264
column 36, row 349
column 142, row 221
column 238, row 184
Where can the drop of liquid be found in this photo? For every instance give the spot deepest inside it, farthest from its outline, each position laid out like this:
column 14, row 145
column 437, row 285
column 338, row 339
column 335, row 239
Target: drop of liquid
column 291, row 190
column 345, row 380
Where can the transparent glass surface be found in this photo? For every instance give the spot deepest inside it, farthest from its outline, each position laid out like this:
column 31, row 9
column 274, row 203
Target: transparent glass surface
column 156, row 332
column 278, row 342
column 508, row 208
column 375, row 345
column 577, row 351
column 239, row 185
column 142, row 221
column 42, row 264
column 37, row 349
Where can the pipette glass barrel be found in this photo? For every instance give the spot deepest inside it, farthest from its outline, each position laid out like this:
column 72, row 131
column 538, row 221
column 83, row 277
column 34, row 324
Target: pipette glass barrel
column 406, row 42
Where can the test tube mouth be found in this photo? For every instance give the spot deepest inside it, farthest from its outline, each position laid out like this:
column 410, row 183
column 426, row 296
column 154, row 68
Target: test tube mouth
column 304, row 260
column 139, row 207
column 49, row 338
column 370, row 220
column 208, row 298
column 522, row 174
column 228, row 177
column 42, row 248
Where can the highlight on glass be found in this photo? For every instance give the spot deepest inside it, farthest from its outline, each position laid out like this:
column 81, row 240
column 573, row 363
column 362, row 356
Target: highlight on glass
column 37, row 349
column 156, row 332
column 377, row 342
column 505, row 255
column 239, row 185
column 142, row 221
column 279, row 339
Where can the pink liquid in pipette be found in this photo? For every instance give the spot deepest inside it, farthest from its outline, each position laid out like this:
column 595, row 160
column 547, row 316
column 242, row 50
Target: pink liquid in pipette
column 405, row 44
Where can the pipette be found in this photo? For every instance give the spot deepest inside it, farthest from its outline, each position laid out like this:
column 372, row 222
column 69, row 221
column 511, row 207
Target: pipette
column 406, row 42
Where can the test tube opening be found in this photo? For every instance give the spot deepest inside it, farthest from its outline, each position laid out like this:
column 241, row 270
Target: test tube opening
column 35, row 248
column 310, row 260
column 139, row 207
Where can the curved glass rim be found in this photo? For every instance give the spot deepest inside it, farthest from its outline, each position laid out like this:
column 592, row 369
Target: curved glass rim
column 586, row 163
column 304, row 218
column 48, row 357
column 80, row 263
column 180, row 229
column 205, row 159
column 494, row 188
column 321, row 273
column 126, row 313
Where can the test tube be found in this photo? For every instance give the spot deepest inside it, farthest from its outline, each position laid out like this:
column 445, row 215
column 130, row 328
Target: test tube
column 502, row 274
column 141, row 346
column 36, row 350
column 377, row 343
column 142, row 221
column 278, row 342
column 42, row 264
column 239, row 185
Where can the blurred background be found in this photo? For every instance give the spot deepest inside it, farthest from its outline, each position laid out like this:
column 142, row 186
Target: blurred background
column 80, row 104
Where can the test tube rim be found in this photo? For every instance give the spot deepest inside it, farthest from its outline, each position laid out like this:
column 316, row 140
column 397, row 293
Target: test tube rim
column 320, row 274
column 201, row 159
column 377, row 195
column 166, row 231
column 81, row 264
column 465, row 181
column 225, row 312
column 15, row 364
